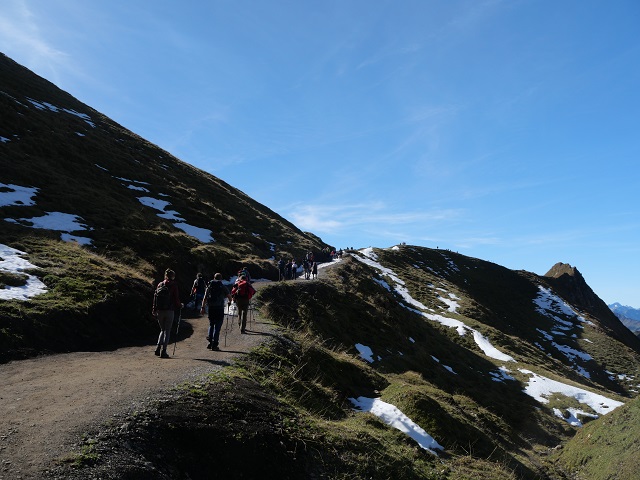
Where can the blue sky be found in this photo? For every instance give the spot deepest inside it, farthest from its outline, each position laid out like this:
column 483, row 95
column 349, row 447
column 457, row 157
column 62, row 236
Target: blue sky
column 503, row 130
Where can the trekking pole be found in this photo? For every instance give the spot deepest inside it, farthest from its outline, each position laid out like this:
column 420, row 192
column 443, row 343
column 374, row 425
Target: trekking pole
column 226, row 325
column 177, row 329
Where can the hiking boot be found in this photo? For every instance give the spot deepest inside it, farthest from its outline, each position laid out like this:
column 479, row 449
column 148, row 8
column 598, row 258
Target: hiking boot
column 158, row 351
column 215, row 348
column 209, row 347
column 164, row 354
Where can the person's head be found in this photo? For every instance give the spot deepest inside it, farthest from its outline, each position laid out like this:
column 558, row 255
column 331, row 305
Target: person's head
column 241, row 277
column 217, row 276
column 199, row 275
column 169, row 274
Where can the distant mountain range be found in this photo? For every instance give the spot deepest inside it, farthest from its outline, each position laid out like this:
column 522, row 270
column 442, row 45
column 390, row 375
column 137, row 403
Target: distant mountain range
column 629, row 316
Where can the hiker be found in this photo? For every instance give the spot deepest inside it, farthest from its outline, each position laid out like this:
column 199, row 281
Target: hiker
column 306, row 267
column 166, row 301
column 287, row 270
column 294, row 269
column 244, row 271
column 281, row 269
column 314, row 270
column 199, row 286
column 214, row 297
column 242, row 292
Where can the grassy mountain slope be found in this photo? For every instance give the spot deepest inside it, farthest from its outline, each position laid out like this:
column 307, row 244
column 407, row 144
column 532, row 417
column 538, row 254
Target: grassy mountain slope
column 489, row 427
column 607, row 448
column 456, row 342
column 80, row 163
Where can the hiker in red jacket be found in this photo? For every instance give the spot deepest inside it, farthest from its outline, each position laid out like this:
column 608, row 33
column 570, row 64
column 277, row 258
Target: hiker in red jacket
column 166, row 301
column 242, row 292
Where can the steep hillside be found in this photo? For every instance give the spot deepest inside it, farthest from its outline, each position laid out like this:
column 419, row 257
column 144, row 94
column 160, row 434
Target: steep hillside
column 484, row 372
column 102, row 213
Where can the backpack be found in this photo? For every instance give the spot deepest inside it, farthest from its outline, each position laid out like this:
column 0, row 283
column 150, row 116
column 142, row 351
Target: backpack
column 199, row 285
column 244, row 290
column 163, row 296
column 215, row 294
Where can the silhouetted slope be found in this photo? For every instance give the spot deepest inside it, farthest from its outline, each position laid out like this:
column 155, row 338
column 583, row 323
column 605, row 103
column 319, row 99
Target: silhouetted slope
column 571, row 285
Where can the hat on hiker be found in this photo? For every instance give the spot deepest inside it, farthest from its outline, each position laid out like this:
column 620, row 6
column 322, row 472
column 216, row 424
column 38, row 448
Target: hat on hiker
column 217, row 276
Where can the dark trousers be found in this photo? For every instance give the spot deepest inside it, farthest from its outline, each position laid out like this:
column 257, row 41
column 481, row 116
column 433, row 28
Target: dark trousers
column 216, row 319
column 243, row 308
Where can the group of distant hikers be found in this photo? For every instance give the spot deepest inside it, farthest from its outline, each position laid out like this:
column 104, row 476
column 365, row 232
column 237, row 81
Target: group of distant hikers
column 209, row 297
column 288, row 270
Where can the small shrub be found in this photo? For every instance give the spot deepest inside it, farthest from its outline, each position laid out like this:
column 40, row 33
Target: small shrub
column 9, row 279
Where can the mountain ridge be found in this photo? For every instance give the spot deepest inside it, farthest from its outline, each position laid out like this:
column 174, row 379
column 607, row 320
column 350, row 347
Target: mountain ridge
column 571, row 285
column 629, row 316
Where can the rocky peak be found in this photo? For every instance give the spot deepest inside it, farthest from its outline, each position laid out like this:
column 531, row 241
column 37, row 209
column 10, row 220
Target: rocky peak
column 571, row 285
column 560, row 269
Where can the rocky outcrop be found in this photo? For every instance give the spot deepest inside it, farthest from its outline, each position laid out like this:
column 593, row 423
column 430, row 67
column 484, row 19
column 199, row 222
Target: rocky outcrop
column 569, row 283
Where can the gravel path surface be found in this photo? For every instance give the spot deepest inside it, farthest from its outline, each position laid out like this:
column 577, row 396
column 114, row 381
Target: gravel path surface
column 47, row 403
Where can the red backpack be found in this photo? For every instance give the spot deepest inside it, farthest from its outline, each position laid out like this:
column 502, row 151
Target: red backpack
column 244, row 290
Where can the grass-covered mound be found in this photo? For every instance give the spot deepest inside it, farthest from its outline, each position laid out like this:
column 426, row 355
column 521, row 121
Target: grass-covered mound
column 605, row 449
column 91, row 302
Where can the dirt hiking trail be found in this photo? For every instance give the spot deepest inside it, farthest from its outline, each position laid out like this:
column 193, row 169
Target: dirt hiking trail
column 48, row 403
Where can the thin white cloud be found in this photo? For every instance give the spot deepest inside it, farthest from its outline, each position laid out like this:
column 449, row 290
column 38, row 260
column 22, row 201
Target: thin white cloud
column 333, row 218
column 21, row 36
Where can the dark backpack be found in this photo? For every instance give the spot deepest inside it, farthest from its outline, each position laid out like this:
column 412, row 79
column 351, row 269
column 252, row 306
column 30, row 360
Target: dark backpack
column 199, row 285
column 163, row 296
column 215, row 293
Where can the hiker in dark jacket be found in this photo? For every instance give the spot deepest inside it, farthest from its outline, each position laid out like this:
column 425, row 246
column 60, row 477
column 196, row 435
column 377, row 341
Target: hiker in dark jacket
column 199, row 286
column 242, row 292
column 281, row 264
column 287, row 270
column 166, row 301
column 214, row 296
column 244, row 271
